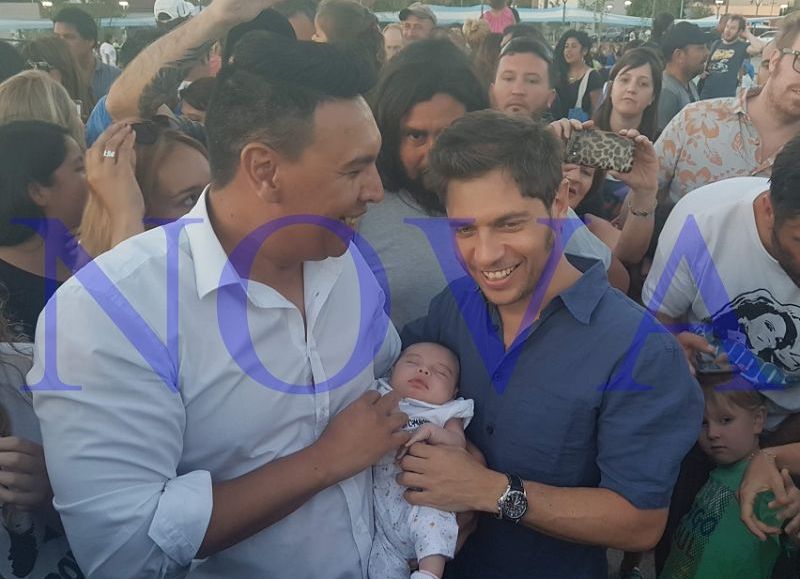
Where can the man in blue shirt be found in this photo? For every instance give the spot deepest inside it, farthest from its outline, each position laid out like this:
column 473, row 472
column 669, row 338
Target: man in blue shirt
column 584, row 405
column 79, row 30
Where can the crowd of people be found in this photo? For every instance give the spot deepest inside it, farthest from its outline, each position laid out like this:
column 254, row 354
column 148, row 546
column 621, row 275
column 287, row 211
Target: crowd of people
column 289, row 294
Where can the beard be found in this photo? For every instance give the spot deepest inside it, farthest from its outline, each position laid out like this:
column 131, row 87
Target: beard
column 421, row 192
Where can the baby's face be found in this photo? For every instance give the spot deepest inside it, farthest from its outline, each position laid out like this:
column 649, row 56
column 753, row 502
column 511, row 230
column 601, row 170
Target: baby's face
column 426, row 372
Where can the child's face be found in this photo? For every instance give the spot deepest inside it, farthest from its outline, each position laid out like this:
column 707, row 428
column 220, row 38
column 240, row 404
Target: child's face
column 426, row 372
column 730, row 433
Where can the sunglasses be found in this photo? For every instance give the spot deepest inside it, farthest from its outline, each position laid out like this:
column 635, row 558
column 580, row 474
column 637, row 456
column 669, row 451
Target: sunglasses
column 148, row 132
column 42, row 65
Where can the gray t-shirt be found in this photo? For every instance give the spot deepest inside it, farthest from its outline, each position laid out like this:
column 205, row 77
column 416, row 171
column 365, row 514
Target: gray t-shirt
column 674, row 96
column 412, row 270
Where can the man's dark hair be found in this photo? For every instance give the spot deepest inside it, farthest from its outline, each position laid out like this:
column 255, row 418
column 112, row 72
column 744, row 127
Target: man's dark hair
column 484, row 141
column 660, row 25
column 80, row 20
column 525, row 30
column 11, row 61
column 270, row 94
column 291, row 8
column 525, row 45
column 784, row 184
column 740, row 19
column 267, row 21
column 30, row 152
column 420, row 71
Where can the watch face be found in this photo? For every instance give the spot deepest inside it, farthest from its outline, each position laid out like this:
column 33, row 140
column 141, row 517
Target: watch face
column 515, row 505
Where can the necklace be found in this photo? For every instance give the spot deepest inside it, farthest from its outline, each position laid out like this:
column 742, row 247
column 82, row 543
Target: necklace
column 573, row 78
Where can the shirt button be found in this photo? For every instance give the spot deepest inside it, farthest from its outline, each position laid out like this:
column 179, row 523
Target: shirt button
column 490, row 429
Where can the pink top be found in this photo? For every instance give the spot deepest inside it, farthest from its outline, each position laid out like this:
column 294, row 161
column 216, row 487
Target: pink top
column 499, row 23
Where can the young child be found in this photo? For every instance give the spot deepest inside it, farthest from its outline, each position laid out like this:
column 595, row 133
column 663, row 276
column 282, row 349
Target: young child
column 350, row 26
column 711, row 542
column 426, row 375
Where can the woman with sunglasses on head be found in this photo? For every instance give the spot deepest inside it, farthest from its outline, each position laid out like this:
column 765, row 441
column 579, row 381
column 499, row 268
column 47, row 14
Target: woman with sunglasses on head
column 160, row 170
column 50, row 54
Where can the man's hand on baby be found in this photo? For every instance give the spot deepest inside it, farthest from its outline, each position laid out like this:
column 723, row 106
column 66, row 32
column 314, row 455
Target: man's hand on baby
column 362, row 433
column 425, row 433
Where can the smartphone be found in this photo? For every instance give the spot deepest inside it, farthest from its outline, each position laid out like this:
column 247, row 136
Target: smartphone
column 707, row 364
column 601, row 150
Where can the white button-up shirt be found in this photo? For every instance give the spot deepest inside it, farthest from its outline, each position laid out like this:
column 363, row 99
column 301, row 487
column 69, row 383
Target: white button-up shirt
column 160, row 413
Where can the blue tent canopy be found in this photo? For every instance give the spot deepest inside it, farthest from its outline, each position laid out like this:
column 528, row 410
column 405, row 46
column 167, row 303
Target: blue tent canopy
column 444, row 14
column 457, row 14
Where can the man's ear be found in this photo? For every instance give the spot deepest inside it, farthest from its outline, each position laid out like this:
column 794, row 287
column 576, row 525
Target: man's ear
column 769, row 211
column 759, row 419
column 561, row 202
column 260, row 166
column 551, row 97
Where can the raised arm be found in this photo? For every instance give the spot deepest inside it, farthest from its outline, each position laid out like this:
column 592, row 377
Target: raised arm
column 154, row 75
column 756, row 44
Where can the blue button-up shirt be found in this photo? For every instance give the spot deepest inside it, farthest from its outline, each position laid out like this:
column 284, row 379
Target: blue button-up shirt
column 595, row 393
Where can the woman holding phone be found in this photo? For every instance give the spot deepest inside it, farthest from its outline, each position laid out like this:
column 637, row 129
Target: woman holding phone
column 632, row 103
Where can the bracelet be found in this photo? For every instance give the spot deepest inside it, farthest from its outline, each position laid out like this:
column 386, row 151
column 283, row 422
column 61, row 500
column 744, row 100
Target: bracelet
column 765, row 452
column 641, row 213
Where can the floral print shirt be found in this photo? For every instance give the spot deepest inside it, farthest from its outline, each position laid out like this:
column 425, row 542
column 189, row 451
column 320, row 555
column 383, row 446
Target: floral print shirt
column 709, row 141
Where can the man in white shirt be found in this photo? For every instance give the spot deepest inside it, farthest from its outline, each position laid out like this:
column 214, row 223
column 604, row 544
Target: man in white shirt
column 223, row 424
column 728, row 264
column 108, row 54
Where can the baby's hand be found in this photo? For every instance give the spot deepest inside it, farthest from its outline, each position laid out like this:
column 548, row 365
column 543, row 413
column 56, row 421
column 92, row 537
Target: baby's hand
column 426, row 432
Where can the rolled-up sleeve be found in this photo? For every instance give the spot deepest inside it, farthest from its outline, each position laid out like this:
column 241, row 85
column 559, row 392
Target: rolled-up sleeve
column 644, row 434
column 113, row 447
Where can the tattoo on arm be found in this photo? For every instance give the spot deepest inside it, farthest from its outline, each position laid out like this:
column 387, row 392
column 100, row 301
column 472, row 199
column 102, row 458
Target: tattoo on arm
column 164, row 84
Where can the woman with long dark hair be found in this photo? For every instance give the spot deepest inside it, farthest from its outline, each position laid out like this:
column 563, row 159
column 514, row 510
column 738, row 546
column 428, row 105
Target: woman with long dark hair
column 52, row 55
column 632, row 103
column 580, row 86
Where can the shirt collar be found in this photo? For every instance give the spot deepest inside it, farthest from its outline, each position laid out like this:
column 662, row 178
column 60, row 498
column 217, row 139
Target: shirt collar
column 742, row 97
column 582, row 297
column 213, row 270
column 209, row 258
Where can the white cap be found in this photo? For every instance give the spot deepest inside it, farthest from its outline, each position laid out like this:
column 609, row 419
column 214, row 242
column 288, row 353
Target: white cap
column 166, row 10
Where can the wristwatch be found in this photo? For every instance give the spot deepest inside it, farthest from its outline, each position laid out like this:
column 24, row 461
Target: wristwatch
column 513, row 504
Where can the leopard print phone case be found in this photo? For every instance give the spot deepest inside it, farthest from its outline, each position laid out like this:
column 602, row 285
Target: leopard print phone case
column 600, row 149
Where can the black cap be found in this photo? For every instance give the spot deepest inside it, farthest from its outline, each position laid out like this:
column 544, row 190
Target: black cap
column 680, row 35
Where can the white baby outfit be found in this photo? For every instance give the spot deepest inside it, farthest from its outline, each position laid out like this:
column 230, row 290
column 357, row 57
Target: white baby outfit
column 403, row 531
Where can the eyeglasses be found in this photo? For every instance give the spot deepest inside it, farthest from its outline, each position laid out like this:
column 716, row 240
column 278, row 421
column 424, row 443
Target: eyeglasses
column 796, row 54
column 42, row 65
